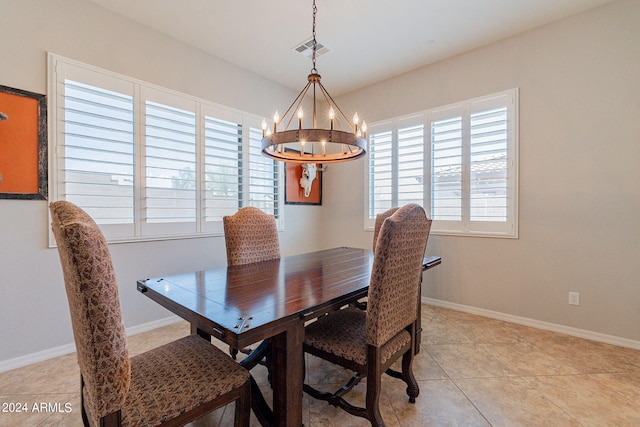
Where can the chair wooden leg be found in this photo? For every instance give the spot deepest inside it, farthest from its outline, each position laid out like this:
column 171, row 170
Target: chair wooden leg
column 233, row 352
column 113, row 419
column 83, row 412
column 260, row 408
column 268, row 362
column 243, row 407
column 374, row 383
column 407, row 372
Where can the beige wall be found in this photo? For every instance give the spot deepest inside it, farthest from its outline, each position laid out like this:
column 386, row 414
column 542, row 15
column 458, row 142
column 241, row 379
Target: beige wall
column 579, row 82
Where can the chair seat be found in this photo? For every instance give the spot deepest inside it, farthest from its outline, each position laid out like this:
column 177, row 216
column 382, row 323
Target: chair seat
column 343, row 333
column 175, row 378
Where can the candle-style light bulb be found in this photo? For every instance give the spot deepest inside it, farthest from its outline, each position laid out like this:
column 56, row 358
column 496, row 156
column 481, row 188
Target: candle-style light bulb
column 276, row 119
column 364, row 129
column 356, row 119
column 332, row 115
column 264, row 127
column 300, row 116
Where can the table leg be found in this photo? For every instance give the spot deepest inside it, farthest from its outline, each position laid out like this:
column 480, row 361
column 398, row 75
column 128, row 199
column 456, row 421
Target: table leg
column 427, row 263
column 197, row 331
column 287, row 376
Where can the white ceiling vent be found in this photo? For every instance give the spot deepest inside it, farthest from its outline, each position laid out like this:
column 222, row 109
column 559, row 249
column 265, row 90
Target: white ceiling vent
column 306, row 48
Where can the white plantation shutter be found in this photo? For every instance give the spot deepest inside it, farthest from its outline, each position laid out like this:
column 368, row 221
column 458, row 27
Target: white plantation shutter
column 223, row 168
column 411, row 165
column 446, row 170
column 150, row 163
column 380, row 173
column 97, row 166
column 488, row 165
column 471, row 148
column 170, row 164
column 263, row 177
column 396, row 165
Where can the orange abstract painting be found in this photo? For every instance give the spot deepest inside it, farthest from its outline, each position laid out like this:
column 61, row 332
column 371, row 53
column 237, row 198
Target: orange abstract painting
column 22, row 130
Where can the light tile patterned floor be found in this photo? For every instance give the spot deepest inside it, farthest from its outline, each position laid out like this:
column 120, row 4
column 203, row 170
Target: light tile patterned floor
column 472, row 371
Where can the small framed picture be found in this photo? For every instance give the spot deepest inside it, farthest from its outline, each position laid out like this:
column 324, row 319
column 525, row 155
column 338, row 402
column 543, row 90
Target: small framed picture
column 303, row 184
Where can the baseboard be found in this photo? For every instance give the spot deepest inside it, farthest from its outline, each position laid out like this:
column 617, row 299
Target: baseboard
column 18, row 362
column 39, row 356
column 553, row 327
column 145, row 327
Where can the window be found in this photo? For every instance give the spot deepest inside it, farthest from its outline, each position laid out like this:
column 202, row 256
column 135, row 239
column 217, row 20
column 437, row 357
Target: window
column 148, row 163
column 459, row 162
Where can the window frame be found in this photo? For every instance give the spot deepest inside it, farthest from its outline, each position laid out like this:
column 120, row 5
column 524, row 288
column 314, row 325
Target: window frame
column 465, row 227
column 61, row 68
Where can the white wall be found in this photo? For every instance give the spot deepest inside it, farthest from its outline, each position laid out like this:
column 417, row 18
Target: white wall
column 579, row 82
column 33, row 308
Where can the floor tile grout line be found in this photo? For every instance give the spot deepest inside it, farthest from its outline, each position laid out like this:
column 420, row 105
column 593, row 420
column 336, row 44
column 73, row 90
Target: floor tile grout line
column 614, row 362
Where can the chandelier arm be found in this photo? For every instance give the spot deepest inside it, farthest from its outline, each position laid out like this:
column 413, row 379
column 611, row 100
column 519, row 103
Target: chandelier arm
column 294, row 110
column 298, row 100
column 329, row 102
column 334, row 103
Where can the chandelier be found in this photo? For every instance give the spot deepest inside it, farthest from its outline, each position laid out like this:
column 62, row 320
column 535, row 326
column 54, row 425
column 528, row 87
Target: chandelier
column 290, row 141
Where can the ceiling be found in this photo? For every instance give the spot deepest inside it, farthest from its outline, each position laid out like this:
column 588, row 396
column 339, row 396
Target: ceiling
column 368, row 41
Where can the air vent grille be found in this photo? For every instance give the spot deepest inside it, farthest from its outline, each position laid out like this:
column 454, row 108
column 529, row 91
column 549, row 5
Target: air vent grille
column 306, row 48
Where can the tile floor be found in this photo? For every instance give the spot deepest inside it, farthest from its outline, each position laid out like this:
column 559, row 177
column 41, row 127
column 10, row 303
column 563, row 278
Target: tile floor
column 472, row 371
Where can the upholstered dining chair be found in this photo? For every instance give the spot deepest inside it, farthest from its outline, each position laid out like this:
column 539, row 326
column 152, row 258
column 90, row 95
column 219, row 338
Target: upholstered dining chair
column 170, row 385
column 369, row 342
column 362, row 304
column 378, row 224
column 250, row 235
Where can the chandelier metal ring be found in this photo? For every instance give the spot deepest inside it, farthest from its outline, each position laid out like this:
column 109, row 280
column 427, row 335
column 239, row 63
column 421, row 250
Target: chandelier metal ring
column 354, row 147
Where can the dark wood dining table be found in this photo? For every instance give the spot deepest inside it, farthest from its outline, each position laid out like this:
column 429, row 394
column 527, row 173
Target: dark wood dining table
column 270, row 301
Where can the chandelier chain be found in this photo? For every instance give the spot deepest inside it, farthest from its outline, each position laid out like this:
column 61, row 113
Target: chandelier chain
column 315, row 43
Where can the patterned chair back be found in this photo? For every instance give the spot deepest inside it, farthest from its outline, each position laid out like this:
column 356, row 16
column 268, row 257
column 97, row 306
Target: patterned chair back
column 395, row 275
column 378, row 224
column 94, row 305
column 251, row 236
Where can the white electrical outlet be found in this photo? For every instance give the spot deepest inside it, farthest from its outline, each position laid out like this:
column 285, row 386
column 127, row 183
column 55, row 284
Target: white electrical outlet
column 574, row 298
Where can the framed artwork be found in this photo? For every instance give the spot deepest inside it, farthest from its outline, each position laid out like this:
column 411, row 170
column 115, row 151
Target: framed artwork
column 294, row 193
column 23, row 144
